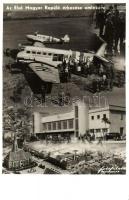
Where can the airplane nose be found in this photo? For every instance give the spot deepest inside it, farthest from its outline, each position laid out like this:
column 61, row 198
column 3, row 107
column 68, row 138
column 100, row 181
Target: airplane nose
column 28, row 36
column 20, row 55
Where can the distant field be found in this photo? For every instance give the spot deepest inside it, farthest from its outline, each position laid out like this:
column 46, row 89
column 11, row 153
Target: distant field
column 77, row 28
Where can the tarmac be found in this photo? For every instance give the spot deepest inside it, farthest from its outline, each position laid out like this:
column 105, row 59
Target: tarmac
column 111, row 147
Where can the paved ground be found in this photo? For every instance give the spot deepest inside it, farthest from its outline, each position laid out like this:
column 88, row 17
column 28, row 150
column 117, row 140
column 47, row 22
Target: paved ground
column 116, row 148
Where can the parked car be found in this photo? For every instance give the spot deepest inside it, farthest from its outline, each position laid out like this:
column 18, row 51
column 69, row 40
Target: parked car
column 113, row 136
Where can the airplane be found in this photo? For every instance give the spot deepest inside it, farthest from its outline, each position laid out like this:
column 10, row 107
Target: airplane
column 39, row 39
column 45, row 62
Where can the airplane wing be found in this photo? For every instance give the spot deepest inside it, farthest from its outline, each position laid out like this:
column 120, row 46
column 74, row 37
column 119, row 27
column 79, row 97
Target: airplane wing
column 46, row 72
column 38, row 44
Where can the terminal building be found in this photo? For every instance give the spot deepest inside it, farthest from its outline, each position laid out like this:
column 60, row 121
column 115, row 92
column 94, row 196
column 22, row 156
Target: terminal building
column 80, row 119
column 110, row 119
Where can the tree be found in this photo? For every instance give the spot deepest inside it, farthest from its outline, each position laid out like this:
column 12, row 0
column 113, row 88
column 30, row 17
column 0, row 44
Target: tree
column 18, row 121
column 106, row 121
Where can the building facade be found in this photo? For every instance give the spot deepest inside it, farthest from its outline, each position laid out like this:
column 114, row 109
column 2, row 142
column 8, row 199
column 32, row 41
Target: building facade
column 74, row 122
column 110, row 119
column 80, row 119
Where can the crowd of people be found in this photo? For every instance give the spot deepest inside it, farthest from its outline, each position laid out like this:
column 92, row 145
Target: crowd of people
column 104, row 72
column 111, row 24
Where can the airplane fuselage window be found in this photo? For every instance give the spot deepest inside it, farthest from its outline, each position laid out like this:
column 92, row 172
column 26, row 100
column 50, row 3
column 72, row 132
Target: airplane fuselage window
column 58, row 57
column 38, row 52
column 54, row 57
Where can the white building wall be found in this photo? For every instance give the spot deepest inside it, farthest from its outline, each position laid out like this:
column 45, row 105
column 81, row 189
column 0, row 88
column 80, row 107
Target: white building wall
column 83, row 120
column 98, row 123
column 37, row 122
column 56, row 118
column 117, row 121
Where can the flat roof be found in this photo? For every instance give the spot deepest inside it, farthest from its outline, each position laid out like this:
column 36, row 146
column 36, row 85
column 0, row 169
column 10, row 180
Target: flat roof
column 58, row 117
column 69, row 113
column 106, row 108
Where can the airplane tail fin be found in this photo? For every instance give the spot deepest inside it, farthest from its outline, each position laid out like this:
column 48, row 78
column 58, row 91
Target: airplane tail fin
column 66, row 38
column 101, row 50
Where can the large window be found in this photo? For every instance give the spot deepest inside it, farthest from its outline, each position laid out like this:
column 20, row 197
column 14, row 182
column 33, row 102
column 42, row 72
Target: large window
column 54, row 125
column 59, row 125
column 49, row 126
column 76, row 111
column 44, row 126
column 70, row 123
column 65, row 124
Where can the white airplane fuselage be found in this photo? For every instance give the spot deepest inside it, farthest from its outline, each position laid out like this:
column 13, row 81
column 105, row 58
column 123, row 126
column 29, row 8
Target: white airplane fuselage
column 50, row 55
column 45, row 61
column 47, row 39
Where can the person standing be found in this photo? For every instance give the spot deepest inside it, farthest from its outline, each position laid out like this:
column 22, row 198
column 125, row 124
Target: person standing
column 109, row 33
column 101, row 21
column 116, row 22
column 122, row 33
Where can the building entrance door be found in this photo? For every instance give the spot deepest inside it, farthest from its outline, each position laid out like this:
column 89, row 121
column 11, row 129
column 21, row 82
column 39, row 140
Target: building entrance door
column 121, row 130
